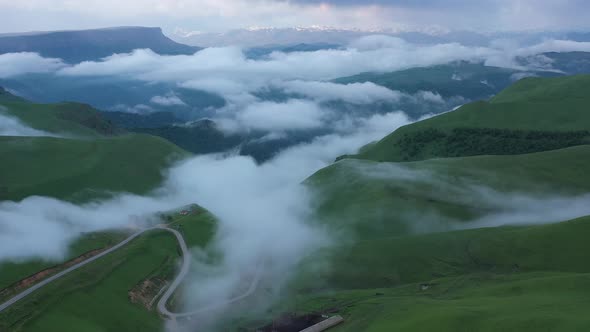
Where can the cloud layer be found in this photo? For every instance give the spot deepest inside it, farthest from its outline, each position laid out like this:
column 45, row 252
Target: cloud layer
column 286, row 91
column 14, row 64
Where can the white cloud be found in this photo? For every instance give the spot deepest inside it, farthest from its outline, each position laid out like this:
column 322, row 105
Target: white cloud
column 230, row 63
column 14, row 64
column 168, row 100
column 11, row 126
column 292, row 115
column 226, row 70
column 43, row 227
column 508, row 50
column 136, row 109
column 262, row 197
column 430, row 96
column 232, row 90
column 264, row 215
column 354, row 93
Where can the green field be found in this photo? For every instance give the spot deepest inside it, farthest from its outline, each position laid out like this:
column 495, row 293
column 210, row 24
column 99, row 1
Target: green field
column 533, row 115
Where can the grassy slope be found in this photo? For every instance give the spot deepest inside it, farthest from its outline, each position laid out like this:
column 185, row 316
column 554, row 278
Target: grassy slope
column 94, row 298
column 507, row 278
column 76, row 169
column 79, row 169
column 71, row 119
column 522, row 302
column 92, row 158
column 11, row 272
column 379, row 199
column 510, row 278
column 533, row 104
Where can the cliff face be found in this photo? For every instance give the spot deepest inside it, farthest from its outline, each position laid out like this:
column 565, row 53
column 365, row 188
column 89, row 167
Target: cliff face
column 85, row 45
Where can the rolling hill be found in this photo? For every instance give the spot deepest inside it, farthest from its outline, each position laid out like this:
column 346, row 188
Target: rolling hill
column 464, row 242
column 535, row 114
column 67, row 119
column 88, row 157
column 492, row 279
column 460, row 222
column 83, row 169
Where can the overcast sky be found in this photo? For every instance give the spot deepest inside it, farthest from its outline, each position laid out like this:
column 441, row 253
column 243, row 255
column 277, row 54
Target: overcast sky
column 222, row 15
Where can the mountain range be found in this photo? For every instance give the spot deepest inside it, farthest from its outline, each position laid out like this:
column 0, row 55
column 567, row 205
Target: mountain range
column 272, row 36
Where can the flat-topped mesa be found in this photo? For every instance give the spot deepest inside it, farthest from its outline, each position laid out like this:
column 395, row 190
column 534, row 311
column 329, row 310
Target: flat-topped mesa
column 89, row 45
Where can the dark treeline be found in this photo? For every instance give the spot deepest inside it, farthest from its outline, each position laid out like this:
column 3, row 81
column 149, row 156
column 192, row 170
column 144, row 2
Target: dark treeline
column 459, row 142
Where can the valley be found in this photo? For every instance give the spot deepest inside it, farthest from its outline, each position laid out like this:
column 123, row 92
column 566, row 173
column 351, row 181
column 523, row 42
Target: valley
column 371, row 183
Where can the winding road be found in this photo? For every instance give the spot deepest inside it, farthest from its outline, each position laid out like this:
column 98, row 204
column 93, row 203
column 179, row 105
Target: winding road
column 186, row 259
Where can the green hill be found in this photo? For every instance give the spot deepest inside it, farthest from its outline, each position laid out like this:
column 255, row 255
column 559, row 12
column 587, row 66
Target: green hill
column 403, row 265
column 68, row 119
column 80, row 169
column 382, row 199
column 413, row 257
column 90, row 158
column 535, row 114
column 493, row 279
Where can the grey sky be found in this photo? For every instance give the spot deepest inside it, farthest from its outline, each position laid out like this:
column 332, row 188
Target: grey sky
column 221, row 15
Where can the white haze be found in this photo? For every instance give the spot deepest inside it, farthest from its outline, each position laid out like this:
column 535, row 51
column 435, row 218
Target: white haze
column 354, row 93
column 293, row 114
column 11, row 126
column 263, row 211
column 204, row 180
column 516, row 207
